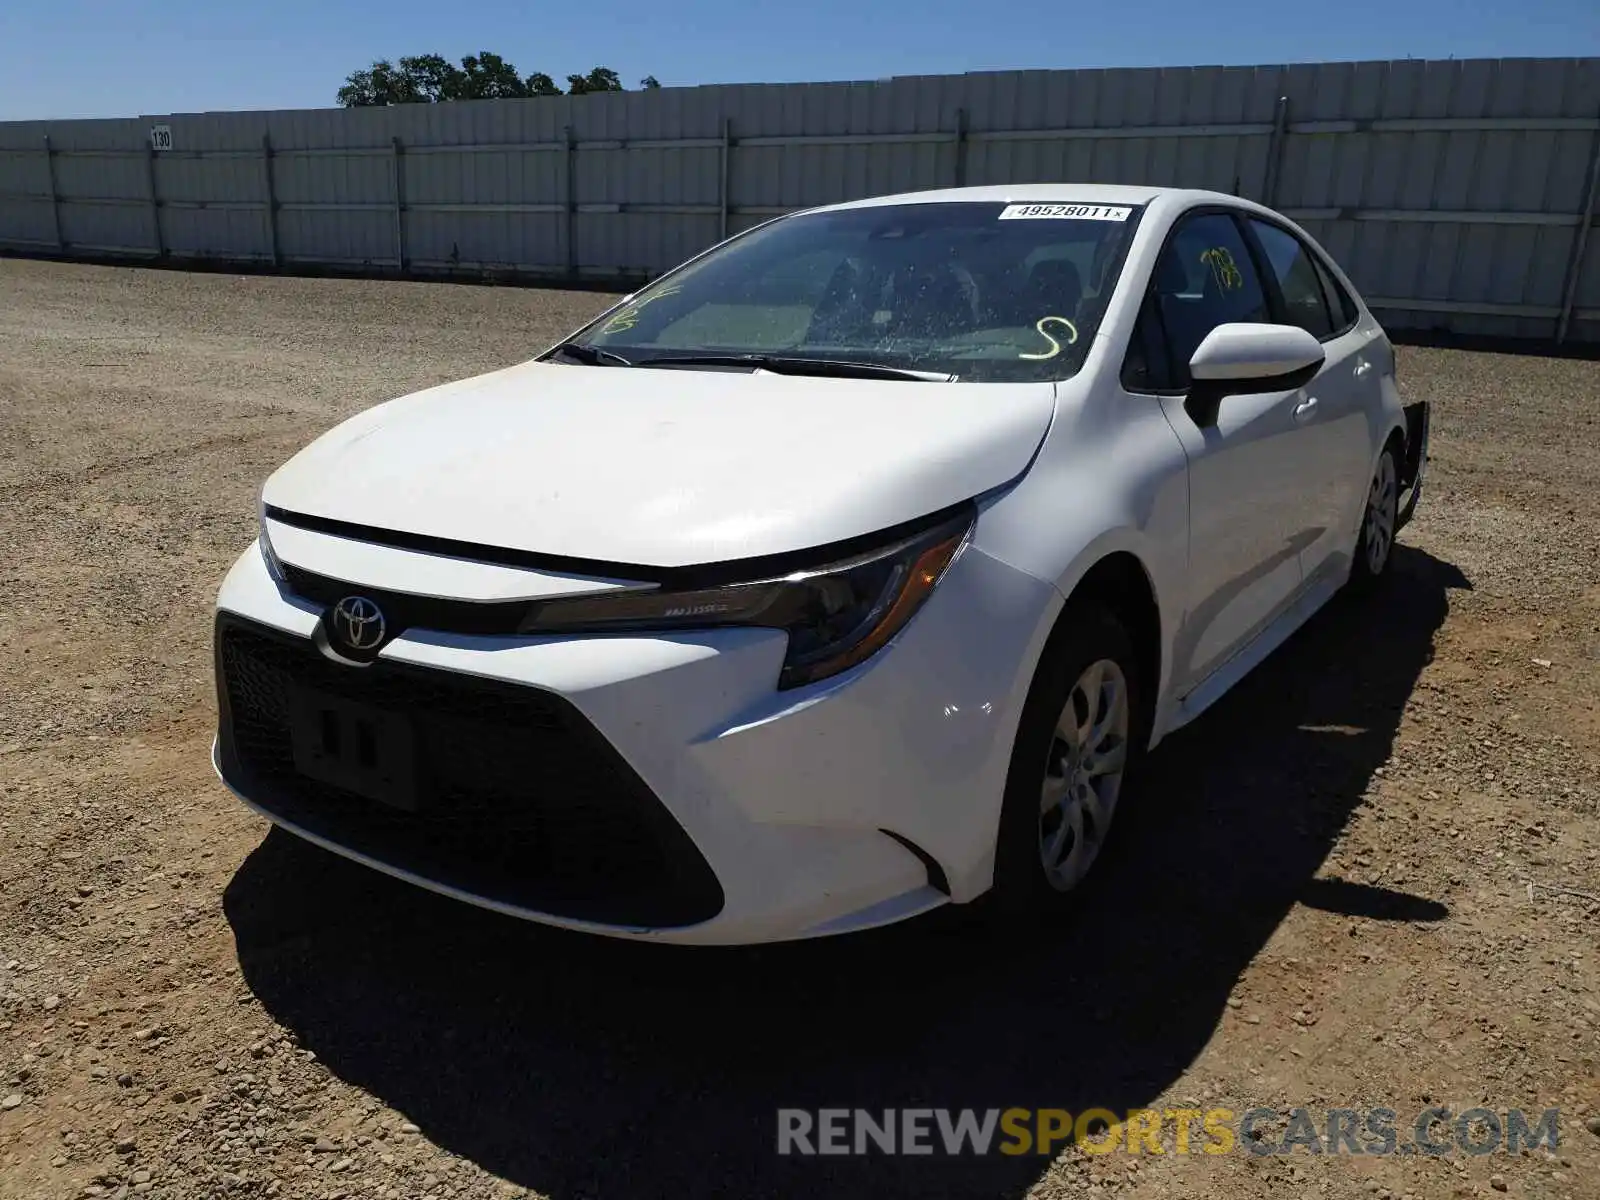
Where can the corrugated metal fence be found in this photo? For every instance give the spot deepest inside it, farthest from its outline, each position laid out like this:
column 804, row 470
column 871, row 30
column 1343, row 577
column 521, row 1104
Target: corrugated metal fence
column 1458, row 194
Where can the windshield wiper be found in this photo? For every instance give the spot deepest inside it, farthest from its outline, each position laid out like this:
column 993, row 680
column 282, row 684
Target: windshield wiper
column 787, row 364
column 592, row 356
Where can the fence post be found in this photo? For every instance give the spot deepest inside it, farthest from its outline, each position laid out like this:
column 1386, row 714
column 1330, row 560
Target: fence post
column 155, row 201
column 272, row 199
column 1280, row 135
column 55, row 194
column 571, row 160
column 961, row 147
column 397, row 160
column 722, row 185
column 1580, row 243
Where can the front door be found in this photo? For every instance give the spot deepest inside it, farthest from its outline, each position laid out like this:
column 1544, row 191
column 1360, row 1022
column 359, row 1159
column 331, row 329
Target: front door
column 1248, row 508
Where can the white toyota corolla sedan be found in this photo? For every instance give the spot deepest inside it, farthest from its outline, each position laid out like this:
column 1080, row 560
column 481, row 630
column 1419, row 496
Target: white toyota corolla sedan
column 843, row 572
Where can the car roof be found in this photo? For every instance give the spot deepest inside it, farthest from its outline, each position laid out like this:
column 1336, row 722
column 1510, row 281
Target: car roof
column 1045, row 193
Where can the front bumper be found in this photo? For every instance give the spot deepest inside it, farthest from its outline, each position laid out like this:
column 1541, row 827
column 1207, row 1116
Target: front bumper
column 762, row 815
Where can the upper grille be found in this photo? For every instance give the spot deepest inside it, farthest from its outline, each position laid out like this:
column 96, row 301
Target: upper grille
column 524, row 802
column 402, row 611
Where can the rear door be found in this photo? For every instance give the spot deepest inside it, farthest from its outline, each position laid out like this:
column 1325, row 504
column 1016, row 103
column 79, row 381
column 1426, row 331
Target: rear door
column 1246, row 470
column 1334, row 417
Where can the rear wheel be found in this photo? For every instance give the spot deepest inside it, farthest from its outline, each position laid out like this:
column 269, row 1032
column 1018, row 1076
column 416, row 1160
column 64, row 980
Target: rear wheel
column 1375, row 545
column 1080, row 735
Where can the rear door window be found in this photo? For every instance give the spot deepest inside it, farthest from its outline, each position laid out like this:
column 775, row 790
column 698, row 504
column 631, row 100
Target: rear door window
column 1294, row 268
column 1342, row 307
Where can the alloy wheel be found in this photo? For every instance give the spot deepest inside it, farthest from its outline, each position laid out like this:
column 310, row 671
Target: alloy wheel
column 1382, row 502
column 1083, row 774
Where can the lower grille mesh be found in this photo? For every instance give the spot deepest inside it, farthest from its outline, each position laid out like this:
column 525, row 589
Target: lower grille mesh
column 523, row 801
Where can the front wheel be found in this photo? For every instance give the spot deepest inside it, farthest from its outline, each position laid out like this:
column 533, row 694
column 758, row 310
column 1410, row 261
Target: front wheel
column 1080, row 735
column 1375, row 544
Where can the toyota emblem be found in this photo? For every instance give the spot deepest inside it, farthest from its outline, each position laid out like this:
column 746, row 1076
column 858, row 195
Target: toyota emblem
column 358, row 624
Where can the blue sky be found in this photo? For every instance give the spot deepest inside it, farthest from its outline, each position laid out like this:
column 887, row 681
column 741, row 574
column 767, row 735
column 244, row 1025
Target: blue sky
column 74, row 58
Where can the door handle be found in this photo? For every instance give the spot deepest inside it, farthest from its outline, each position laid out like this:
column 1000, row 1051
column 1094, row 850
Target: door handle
column 1362, row 368
column 1306, row 409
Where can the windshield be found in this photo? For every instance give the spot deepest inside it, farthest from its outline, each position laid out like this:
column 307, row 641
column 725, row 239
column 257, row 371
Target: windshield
column 1003, row 292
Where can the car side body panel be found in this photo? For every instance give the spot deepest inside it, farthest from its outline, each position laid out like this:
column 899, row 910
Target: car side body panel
column 1122, row 479
column 1110, row 478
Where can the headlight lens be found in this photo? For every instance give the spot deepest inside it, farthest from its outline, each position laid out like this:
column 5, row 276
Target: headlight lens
column 836, row 615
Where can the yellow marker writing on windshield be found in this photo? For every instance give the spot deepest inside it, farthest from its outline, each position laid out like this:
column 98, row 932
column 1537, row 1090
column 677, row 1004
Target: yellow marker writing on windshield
column 629, row 316
column 1055, row 346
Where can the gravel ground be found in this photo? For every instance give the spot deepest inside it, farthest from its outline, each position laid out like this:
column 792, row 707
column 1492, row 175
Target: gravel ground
column 1368, row 877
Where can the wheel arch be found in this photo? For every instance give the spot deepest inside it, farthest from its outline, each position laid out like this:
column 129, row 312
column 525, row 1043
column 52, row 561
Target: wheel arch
column 1396, row 439
column 1119, row 580
column 1114, row 580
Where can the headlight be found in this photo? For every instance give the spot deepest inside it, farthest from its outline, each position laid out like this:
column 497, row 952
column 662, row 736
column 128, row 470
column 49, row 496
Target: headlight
column 836, row 615
column 274, row 568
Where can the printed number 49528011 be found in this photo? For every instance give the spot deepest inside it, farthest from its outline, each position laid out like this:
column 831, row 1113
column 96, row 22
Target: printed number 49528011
column 1065, row 212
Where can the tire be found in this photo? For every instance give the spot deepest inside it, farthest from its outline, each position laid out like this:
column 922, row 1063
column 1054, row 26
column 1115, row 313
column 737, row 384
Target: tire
column 1379, row 523
column 1086, row 641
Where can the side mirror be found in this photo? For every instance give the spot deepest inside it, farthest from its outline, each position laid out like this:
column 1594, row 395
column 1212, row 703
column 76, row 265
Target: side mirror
column 1244, row 357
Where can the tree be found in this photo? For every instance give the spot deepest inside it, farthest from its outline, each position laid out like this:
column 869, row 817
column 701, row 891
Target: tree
column 487, row 76
column 601, row 79
column 432, row 79
column 379, row 84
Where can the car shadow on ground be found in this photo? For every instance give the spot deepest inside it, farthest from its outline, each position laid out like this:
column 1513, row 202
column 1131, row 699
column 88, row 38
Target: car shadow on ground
column 581, row 1066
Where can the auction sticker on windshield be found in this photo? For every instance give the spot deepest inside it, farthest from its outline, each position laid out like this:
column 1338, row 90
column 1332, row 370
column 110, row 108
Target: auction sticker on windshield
column 1065, row 212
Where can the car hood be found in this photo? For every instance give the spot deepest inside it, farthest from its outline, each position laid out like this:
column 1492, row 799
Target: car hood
column 664, row 467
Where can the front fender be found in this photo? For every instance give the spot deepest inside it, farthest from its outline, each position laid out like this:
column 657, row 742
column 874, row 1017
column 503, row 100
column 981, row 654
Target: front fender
column 1110, row 478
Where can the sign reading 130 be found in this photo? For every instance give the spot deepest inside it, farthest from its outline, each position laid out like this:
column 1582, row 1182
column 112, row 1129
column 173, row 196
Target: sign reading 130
column 161, row 137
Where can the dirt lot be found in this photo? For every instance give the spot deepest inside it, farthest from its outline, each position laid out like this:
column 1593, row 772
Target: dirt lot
column 1324, row 901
